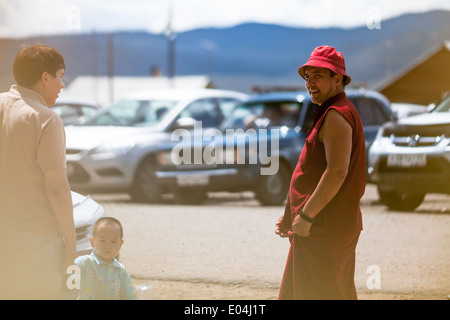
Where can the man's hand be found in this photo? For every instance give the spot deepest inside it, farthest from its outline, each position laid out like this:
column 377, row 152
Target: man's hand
column 280, row 230
column 301, row 227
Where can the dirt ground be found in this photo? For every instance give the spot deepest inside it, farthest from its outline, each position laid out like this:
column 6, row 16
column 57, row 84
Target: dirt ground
column 179, row 253
column 181, row 290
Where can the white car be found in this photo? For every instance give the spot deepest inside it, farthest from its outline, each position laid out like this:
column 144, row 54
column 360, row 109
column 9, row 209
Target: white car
column 411, row 158
column 85, row 212
column 117, row 149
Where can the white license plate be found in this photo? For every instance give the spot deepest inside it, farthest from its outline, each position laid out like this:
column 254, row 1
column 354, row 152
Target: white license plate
column 406, row 160
column 192, row 180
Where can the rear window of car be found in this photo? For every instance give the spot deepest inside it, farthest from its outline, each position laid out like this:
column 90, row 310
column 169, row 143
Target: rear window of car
column 265, row 115
column 370, row 111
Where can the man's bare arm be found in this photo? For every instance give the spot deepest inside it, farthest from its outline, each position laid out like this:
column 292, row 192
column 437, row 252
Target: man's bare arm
column 336, row 135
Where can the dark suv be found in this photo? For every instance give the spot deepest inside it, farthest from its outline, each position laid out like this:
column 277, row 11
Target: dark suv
column 257, row 148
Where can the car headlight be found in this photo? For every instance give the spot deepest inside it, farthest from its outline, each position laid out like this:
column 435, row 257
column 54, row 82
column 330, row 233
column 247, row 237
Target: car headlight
column 110, row 151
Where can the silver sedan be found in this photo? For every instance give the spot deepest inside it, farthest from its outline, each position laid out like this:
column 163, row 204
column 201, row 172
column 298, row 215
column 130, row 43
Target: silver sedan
column 117, row 150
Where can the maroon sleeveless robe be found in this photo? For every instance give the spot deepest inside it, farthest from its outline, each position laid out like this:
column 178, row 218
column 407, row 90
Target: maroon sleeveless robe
column 322, row 265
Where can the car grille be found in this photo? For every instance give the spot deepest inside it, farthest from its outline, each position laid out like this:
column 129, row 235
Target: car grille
column 416, row 141
column 422, row 131
column 229, row 157
column 416, row 136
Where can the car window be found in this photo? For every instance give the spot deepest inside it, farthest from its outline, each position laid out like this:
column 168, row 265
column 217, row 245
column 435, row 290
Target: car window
column 227, row 105
column 203, row 110
column 132, row 113
column 370, row 111
column 265, row 115
column 88, row 111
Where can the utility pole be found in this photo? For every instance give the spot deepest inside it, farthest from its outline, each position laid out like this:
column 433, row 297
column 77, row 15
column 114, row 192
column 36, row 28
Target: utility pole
column 388, row 44
column 94, row 66
column 210, row 48
column 111, row 66
column 170, row 47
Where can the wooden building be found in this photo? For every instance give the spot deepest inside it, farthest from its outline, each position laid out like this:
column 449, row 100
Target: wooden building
column 425, row 81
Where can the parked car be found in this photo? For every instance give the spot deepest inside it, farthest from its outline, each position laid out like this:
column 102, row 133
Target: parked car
column 73, row 111
column 85, row 212
column 294, row 112
column 411, row 158
column 116, row 150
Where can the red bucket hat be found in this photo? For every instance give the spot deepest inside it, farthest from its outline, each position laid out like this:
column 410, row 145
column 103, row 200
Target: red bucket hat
column 326, row 57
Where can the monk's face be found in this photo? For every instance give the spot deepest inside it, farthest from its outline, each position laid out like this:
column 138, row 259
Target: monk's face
column 321, row 85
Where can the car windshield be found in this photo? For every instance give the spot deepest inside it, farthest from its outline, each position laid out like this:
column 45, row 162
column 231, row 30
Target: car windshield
column 265, row 115
column 132, row 113
column 444, row 106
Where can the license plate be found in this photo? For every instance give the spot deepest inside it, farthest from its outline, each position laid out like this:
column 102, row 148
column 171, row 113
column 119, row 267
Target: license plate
column 192, row 180
column 406, row 160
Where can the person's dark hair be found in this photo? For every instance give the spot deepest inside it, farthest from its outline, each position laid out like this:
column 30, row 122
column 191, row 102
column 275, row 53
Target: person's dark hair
column 110, row 220
column 31, row 62
column 332, row 74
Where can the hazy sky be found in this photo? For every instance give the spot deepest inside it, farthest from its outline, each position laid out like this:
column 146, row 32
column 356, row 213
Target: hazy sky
column 36, row 17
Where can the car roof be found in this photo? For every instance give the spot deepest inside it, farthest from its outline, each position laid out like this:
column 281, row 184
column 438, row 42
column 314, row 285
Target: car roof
column 277, row 96
column 302, row 95
column 76, row 101
column 183, row 94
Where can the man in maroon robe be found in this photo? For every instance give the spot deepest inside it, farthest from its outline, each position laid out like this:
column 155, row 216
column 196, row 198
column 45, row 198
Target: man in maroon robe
column 322, row 217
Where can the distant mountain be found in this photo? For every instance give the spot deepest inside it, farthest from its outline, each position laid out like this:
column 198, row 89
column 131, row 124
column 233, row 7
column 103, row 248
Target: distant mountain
column 249, row 54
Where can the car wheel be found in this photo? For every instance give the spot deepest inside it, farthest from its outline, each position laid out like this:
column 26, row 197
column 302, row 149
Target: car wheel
column 145, row 186
column 272, row 190
column 401, row 201
column 189, row 196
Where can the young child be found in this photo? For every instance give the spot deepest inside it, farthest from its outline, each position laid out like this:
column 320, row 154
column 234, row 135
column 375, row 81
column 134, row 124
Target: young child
column 102, row 276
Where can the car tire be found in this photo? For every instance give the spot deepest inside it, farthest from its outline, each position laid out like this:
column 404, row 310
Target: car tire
column 271, row 190
column 189, row 196
column 401, row 201
column 145, row 186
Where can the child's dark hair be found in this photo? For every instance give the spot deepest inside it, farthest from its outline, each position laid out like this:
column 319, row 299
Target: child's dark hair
column 110, row 220
column 31, row 62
